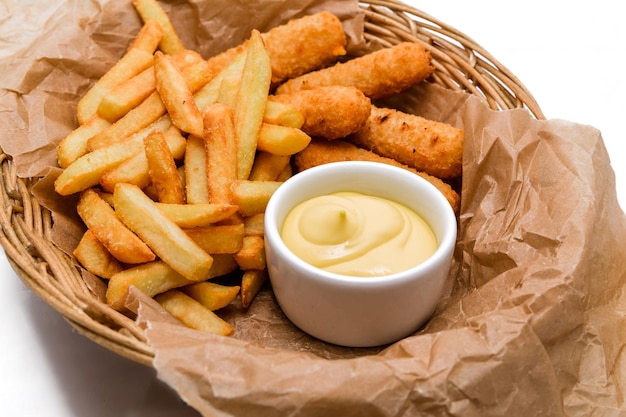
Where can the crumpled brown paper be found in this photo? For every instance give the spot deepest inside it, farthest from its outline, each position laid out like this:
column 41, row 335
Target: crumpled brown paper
column 533, row 321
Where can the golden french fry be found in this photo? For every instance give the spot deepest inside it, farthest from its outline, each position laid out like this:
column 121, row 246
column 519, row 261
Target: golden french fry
column 254, row 225
column 267, row 166
column 197, row 215
column 282, row 114
column 285, row 174
column 210, row 92
column 143, row 116
column 162, row 235
column 149, row 111
column 103, row 222
column 196, row 185
column 135, row 170
column 193, row 314
column 155, row 277
column 251, row 283
column 252, row 196
column 127, row 95
column 176, row 95
column 86, row 171
column 211, row 295
column 220, row 146
column 282, row 140
column 95, row 257
column 218, row 239
column 162, row 169
column 151, row 10
column 251, row 100
column 134, row 91
column 132, row 62
column 149, row 37
column 151, row 278
column 252, row 253
column 74, row 145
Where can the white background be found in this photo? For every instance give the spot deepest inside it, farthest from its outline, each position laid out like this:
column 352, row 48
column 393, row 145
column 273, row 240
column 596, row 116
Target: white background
column 570, row 55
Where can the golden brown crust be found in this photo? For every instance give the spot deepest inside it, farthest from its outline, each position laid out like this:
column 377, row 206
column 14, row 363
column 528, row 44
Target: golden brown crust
column 378, row 74
column 321, row 152
column 297, row 47
column 426, row 145
column 329, row 112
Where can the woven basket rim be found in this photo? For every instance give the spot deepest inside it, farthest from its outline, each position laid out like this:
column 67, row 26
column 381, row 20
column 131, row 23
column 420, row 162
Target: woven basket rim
column 460, row 65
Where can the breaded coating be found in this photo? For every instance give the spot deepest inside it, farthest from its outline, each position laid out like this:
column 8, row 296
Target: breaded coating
column 426, row 145
column 297, row 47
column 378, row 74
column 329, row 112
column 321, row 152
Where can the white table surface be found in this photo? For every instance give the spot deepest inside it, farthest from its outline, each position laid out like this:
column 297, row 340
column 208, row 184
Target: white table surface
column 570, row 57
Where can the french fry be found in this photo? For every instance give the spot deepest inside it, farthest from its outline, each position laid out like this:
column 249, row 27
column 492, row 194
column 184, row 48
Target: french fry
column 282, row 114
column 251, row 283
column 162, row 169
column 162, row 235
column 218, row 239
column 151, row 10
column 254, row 225
column 176, row 96
column 252, row 196
column 132, row 62
column 193, row 314
column 74, row 145
column 252, row 253
column 151, row 278
column 86, row 171
column 285, row 174
column 135, row 170
column 196, row 186
column 106, row 226
column 211, row 295
column 220, row 146
column 134, row 91
column 148, row 38
column 268, row 166
column 251, row 100
column 210, row 92
column 139, row 118
column 95, row 257
column 197, row 215
column 149, row 111
column 281, row 140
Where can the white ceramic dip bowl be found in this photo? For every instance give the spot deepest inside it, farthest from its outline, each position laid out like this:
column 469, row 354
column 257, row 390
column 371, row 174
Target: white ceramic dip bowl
column 351, row 310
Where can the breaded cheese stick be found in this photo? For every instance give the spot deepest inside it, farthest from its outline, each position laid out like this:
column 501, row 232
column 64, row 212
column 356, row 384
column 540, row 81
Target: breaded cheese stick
column 378, row 74
column 426, row 145
column 329, row 112
column 321, row 152
column 297, row 47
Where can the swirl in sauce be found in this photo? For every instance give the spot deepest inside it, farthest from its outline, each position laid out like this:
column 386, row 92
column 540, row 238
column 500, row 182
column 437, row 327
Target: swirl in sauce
column 355, row 234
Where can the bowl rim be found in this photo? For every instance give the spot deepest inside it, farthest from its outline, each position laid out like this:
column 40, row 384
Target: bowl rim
column 445, row 244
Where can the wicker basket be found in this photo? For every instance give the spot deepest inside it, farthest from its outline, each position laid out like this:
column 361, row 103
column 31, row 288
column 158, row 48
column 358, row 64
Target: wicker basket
column 460, row 64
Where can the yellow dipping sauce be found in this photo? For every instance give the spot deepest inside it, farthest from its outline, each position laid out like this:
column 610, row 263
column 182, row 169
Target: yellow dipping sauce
column 355, row 234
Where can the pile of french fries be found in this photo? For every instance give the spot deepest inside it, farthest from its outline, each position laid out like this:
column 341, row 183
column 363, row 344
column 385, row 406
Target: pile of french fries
column 175, row 161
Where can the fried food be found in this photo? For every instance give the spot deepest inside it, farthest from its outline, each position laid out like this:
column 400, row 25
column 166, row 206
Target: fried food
column 299, row 46
column 426, row 145
column 321, row 152
column 329, row 112
column 378, row 74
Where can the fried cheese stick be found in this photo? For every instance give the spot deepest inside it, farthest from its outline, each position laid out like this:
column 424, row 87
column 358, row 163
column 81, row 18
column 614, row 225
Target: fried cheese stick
column 426, row 145
column 321, row 152
column 297, row 47
column 378, row 74
column 329, row 112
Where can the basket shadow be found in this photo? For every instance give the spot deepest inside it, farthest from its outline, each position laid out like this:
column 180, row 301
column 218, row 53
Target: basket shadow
column 96, row 381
